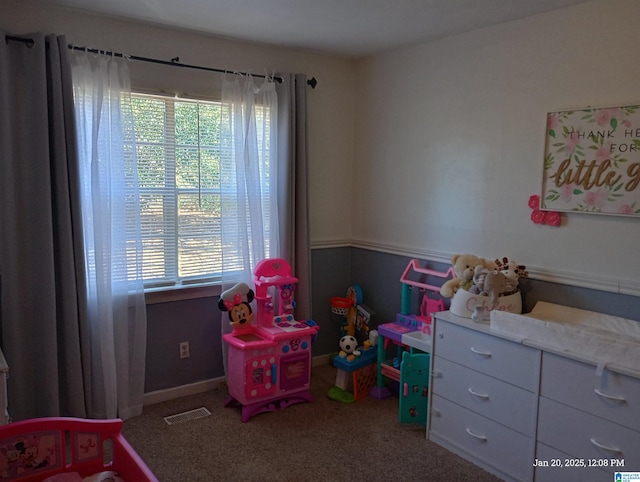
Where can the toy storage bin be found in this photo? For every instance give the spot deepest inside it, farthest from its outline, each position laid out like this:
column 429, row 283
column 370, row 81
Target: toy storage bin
column 464, row 302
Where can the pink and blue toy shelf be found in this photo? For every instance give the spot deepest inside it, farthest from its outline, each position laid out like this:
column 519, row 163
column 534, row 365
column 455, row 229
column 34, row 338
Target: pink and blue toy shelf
column 404, row 345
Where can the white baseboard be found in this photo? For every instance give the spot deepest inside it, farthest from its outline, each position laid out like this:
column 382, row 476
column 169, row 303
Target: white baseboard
column 183, row 391
column 320, row 360
column 204, row 386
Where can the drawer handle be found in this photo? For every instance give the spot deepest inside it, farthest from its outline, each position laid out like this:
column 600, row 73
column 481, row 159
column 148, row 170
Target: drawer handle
column 478, row 352
column 609, row 397
column 610, row 449
column 475, row 435
column 477, row 394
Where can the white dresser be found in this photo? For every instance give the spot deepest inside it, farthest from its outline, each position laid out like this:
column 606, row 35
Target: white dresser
column 589, row 416
column 506, row 406
column 484, row 392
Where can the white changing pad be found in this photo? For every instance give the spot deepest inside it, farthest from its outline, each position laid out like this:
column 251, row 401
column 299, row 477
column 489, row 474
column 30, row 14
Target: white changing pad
column 590, row 335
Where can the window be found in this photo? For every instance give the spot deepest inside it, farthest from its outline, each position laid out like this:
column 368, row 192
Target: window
column 179, row 148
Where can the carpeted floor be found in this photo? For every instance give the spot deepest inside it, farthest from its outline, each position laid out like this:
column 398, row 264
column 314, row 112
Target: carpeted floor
column 320, row 441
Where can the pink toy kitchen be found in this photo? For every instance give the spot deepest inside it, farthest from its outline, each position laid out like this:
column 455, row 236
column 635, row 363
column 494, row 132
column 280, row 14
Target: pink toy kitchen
column 269, row 358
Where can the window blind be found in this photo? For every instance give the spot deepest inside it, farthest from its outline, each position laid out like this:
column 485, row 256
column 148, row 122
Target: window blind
column 178, row 146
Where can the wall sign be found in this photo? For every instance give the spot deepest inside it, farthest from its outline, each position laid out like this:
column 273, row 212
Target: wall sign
column 592, row 161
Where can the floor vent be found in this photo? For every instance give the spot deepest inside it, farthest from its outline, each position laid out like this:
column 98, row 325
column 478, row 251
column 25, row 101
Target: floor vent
column 186, row 416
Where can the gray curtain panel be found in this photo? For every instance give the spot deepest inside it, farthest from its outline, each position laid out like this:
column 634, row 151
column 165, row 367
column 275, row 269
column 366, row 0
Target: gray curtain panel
column 41, row 260
column 293, row 202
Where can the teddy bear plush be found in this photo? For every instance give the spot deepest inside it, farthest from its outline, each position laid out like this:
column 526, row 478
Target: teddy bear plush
column 463, row 267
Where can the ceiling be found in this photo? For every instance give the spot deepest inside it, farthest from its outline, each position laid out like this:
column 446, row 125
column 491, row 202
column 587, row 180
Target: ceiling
column 345, row 28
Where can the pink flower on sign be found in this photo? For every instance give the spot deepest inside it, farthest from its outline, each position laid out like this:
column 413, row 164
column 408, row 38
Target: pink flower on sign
column 566, row 191
column 534, row 201
column 602, row 154
column 537, row 216
column 552, row 218
column 603, row 117
column 596, row 199
column 625, row 209
column 570, row 144
column 552, row 121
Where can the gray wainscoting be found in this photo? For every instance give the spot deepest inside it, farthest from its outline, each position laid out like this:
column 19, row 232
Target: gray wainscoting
column 333, row 270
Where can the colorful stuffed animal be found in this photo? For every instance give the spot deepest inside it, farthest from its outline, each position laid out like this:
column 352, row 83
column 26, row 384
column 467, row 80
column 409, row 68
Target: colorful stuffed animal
column 463, row 266
column 513, row 271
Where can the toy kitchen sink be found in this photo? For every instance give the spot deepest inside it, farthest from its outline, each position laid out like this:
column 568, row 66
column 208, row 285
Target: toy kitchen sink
column 596, row 337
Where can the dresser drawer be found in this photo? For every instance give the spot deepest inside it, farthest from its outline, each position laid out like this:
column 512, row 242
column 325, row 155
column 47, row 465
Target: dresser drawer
column 496, row 445
column 552, row 466
column 505, row 403
column 610, row 395
column 499, row 358
column 586, row 436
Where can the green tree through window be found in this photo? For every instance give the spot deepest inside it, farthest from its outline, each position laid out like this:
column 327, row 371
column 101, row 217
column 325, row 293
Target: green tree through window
column 178, row 145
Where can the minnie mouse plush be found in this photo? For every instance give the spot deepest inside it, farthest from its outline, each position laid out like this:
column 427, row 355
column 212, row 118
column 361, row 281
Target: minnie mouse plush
column 236, row 301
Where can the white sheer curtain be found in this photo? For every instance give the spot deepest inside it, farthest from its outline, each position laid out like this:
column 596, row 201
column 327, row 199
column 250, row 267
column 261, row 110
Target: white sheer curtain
column 248, row 175
column 249, row 213
column 111, row 230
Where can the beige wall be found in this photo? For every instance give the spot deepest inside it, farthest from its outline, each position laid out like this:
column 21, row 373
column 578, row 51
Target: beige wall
column 450, row 142
column 430, row 150
column 330, row 105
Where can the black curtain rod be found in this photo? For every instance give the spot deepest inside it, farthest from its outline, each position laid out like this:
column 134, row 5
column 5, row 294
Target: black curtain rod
column 24, row 40
column 174, row 62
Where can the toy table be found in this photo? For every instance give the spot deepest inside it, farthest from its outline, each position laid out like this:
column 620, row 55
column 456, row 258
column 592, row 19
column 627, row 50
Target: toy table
column 412, row 340
column 407, row 326
column 417, row 341
column 363, row 370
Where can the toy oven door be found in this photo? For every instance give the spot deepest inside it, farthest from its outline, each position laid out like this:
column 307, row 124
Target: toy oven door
column 295, row 371
column 260, row 376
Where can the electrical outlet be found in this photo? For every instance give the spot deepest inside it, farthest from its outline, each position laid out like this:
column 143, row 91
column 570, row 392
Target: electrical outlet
column 184, row 350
